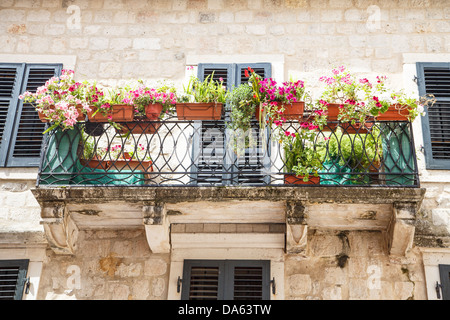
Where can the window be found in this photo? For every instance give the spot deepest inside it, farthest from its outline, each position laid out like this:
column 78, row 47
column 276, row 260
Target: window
column 216, row 163
column 434, row 78
column 20, row 127
column 444, row 271
column 13, row 275
column 226, row 280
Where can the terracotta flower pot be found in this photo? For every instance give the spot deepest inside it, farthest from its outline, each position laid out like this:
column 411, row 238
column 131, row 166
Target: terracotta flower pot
column 292, row 111
column 153, row 111
column 291, row 178
column 95, row 163
column 394, row 114
column 199, row 111
column 333, row 111
column 81, row 115
column 139, row 127
column 117, row 113
column 356, row 128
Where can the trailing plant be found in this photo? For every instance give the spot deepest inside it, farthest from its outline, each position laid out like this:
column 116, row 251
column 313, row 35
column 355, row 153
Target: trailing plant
column 60, row 100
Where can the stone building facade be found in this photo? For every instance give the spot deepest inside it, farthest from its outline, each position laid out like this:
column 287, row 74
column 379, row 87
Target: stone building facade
column 319, row 246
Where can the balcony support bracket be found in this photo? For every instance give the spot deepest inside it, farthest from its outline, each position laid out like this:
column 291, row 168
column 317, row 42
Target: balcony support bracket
column 157, row 227
column 401, row 229
column 296, row 227
column 60, row 230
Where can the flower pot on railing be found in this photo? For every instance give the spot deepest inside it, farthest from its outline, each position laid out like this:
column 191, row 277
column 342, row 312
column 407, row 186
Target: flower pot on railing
column 291, row 178
column 139, row 127
column 80, row 117
column 117, row 113
column 153, row 111
column 292, row 111
column 394, row 113
column 199, row 111
column 356, row 128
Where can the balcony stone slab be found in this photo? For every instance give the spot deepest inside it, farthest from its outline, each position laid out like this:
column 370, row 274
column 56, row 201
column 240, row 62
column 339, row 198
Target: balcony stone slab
column 392, row 211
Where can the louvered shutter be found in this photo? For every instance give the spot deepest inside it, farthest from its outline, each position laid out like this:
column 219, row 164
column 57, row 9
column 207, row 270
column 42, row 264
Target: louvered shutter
column 248, row 280
column 444, row 271
column 209, row 136
column 27, row 135
column 12, row 279
column 10, row 85
column 434, row 78
column 226, row 280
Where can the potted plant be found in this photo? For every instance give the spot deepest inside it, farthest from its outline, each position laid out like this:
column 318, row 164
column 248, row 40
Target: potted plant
column 342, row 97
column 292, row 96
column 202, row 100
column 151, row 104
column 108, row 106
column 60, row 101
column 302, row 161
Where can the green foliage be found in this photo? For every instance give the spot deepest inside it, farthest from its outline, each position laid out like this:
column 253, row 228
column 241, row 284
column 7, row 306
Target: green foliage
column 301, row 156
column 357, row 151
column 205, row 91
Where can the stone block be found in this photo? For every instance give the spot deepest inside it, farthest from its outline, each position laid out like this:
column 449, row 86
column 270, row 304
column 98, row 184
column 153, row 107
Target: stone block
column 299, row 284
column 155, row 267
column 147, row 43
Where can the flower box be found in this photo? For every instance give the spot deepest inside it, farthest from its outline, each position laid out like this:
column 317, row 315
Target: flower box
column 95, row 163
column 80, row 117
column 394, row 114
column 117, row 113
column 134, row 166
column 290, row 178
column 139, row 127
column 199, row 111
column 292, row 111
column 356, row 128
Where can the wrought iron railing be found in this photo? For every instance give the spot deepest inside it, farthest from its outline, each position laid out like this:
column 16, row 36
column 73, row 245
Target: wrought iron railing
column 207, row 153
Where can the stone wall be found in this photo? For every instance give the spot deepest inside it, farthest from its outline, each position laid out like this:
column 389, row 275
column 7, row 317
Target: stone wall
column 108, row 265
column 354, row 265
column 120, row 39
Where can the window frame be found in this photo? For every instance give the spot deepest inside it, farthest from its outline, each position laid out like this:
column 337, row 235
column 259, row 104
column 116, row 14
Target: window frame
column 15, row 112
column 229, row 177
column 430, row 162
column 226, row 276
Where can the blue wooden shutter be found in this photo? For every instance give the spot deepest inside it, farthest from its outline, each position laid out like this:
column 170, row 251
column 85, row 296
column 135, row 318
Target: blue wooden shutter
column 444, row 271
column 209, row 137
column 434, row 78
column 26, row 141
column 13, row 275
column 226, row 280
column 11, row 76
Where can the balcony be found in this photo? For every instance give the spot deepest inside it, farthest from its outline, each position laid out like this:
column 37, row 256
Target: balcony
column 174, row 153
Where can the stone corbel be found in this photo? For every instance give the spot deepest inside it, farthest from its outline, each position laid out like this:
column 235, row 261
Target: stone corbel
column 296, row 228
column 60, row 230
column 400, row 232
column 156, row 227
